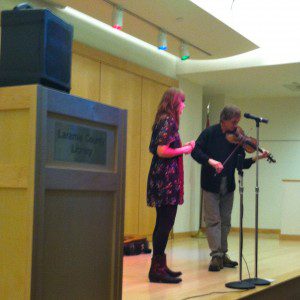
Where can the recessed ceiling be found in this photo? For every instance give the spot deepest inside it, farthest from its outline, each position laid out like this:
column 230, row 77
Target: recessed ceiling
column 190, row 23
column 268, row 81
column 194, row 25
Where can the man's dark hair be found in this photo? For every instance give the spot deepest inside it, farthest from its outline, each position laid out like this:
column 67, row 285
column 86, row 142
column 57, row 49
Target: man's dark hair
column 229, row 112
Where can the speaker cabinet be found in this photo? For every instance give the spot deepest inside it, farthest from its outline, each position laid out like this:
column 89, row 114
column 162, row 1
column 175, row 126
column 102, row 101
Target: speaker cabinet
column 36, row 47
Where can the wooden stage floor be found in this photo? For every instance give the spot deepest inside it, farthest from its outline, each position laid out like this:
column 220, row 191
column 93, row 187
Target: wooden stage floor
column 278, row 259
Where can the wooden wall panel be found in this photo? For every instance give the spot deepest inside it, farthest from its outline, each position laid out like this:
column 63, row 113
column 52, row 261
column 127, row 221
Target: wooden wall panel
column 102, row 77
column 122, row 64
column 85, row 77
column 17, row 157
column 123, row 89
column 151, row 96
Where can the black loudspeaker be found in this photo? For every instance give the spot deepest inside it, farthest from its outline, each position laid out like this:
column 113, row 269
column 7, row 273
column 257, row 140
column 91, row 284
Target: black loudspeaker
column 36, row 47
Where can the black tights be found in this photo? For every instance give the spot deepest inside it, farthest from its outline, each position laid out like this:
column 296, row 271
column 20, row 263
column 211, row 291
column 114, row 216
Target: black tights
column 165, row 218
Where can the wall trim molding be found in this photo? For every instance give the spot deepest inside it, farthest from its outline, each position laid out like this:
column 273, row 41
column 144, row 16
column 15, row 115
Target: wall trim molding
column 191, row 234
column 290, row 237
column 180, row 235
column 260, row 230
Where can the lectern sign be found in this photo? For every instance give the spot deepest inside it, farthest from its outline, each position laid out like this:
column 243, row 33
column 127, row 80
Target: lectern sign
column 75, row 143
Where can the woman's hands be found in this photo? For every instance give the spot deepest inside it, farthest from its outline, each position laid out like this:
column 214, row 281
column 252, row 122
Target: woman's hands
column 167, row 152
column 189, row 147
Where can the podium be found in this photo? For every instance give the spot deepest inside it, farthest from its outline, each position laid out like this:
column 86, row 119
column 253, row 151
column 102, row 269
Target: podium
column 62, row 179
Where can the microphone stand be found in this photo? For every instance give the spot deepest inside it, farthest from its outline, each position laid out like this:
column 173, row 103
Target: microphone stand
column 241, row 284
column 256, row 280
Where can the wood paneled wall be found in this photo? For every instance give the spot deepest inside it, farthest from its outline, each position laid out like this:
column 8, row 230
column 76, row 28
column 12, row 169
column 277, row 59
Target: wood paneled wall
column 17, row 164
column 151, row 95
column 101, row 77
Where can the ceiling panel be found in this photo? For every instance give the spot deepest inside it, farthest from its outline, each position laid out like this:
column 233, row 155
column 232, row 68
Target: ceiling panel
column 266, row 81
column 181, row 18
column 192, row 24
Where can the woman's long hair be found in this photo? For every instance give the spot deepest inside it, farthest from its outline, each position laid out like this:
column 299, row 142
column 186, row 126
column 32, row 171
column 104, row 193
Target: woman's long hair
column 169, row 105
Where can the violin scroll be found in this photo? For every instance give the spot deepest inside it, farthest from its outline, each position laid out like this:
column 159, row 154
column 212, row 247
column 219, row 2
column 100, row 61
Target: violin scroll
column 271, row 159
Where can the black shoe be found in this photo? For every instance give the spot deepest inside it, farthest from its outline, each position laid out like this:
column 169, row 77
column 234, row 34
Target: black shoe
column 221, row 263
column 228, row 263
column 173, row 273
column 169, row 271
column 158, row 273
column 215, row 264
column 161, row 277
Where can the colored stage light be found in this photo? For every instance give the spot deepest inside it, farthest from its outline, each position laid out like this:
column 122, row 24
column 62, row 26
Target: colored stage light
column 118, row 18
column 184, row 51
column 162, row 41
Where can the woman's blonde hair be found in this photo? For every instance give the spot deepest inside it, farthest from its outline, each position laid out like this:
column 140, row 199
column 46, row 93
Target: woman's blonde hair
column 169, row 105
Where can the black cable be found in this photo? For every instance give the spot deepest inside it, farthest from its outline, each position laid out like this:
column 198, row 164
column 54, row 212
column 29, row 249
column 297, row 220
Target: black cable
column 246, row 266
column 242, row 237
column 202, row 295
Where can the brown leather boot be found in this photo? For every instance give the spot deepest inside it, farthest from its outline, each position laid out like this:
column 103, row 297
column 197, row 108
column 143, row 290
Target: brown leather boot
column 216, row 264
column 228, row 263
column 158, row 272
column 169, row 271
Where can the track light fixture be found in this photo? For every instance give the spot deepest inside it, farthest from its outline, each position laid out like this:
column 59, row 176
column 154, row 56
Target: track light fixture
column 184, row 51
column 118, row 17
column 162, row 40
column 117, row 23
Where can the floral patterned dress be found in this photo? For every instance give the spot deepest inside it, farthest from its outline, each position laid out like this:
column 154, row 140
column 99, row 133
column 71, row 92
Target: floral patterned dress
column 165, row 178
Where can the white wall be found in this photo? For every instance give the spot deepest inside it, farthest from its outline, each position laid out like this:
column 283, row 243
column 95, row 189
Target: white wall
column 190, row 126
column 216, row 104
column 281, row 136
column 290, row 221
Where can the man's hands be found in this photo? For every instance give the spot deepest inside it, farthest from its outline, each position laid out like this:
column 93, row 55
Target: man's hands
column 216, row 165
column 264, row 154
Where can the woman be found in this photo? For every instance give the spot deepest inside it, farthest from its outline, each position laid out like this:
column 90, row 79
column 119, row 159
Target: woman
column 165, row 179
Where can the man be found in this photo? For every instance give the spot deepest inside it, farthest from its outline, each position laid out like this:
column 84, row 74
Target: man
column 218, row 183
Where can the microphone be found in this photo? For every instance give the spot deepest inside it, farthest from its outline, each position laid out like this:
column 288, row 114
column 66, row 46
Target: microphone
column 259, row 119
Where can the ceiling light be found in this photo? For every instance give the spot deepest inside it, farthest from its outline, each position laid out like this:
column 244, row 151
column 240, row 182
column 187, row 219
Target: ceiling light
column 162, row 41
column 118, row 18
column 184, row 51
column 107, row 32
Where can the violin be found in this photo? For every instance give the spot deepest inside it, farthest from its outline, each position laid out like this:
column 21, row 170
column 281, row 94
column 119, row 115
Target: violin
column 248, row 143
